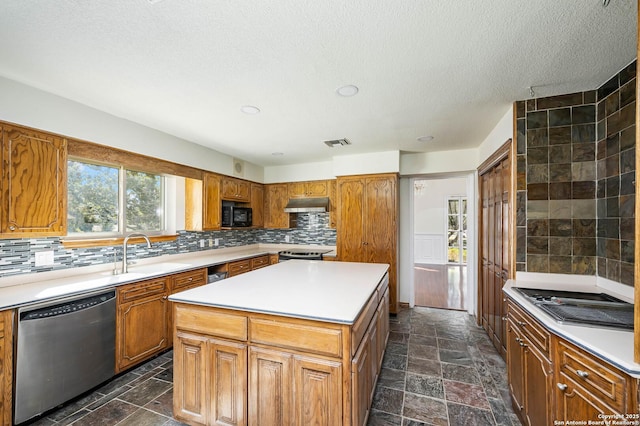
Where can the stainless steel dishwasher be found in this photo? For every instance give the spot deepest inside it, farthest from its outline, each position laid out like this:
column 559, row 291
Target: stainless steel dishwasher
column 64, row 348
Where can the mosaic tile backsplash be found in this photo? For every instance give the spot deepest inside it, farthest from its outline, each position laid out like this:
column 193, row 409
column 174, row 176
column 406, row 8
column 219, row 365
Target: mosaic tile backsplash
column 18, row 256
column 575, row 198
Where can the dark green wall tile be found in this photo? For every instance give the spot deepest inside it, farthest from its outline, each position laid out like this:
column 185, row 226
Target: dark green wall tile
column 537, row 245
column 613, row 270
column 538, row 227
column 627, row 228
column 627, row 273
column 628, row 116
column 583, row 152
column 560, row 246
column 628, row 160
column 560, row 264
column 584, row 227
column 612, row 145
column 583, row 133
column 628, row 138
column 590, row 97
column 536, row 120
column 627, row 251
column 584, row 246
column 560, row 227
column 627, row 205
column 583, row 190
column 537, row 137
column 560, row 154
column 559, row 117
column 530, row 105
column 628, row 73
column 628, row 93
column 520, row 109
column 538, row 173
column 608, row 88
column 560, row 101
column 538, row 191
column 560, row 135
column 583, row 265
column 583, row 114
column 521, row 139
column 613, row 165
column 627, row 185
column 613, row 186
column 537, row 263
column 560, row 172
column 521, row 244
column 560, row 191
column 611, row 104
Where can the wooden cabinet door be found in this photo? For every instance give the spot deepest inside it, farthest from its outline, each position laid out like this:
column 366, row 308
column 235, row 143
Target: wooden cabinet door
column 190, row 401
column 361, row 382
column 383, row 326
column 6, row 366
column 317, row 391
column 142, row 319
column 212, row 207
column 515, row 368
column 573, row 402
column 538, row 377
column 351, row 216
column 257, row 205
column 228, row 382
column 270, row 393
column 34, row 183
column 276, row 197
column 297, row 189
column 333, row 211
column 317, row 188
column 235, row 189
column 239, row 267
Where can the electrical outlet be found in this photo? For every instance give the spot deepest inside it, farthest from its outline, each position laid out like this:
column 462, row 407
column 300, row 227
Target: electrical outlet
column 210, row 242
column 201, row 243
column 44, row 258
column 286, row 239
column 216, row 242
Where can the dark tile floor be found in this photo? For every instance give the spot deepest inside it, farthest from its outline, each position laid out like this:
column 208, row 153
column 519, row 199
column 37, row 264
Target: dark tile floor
column 439, row 369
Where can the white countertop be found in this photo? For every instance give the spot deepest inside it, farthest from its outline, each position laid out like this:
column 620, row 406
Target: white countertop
column 20, row 290
column 327, row 291
column 611, row 345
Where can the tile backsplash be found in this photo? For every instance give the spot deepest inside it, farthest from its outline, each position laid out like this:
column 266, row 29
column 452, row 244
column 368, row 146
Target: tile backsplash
column 575, row 196
column 17, row 256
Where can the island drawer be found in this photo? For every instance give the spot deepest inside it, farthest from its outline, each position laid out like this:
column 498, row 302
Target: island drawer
column 189, row 279
column 130, row 292
column 239, row 267
column 535, row 333
column 210, row 322
column 306, row 338
column 362, row 322
column 260, row 262
column 603, row 381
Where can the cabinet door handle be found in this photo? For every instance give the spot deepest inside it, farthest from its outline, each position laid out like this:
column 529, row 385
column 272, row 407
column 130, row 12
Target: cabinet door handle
column 164, row 297
column 562, row 386
column 522, row 323
column 12, row 228
column 582, row 374
column 504, row 318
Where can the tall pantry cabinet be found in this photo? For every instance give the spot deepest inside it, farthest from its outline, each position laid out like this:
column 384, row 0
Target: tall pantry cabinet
column 496, row 247
column 368, row 224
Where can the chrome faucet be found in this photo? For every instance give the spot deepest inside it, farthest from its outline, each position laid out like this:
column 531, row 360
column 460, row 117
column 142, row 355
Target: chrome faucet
column 124, row 248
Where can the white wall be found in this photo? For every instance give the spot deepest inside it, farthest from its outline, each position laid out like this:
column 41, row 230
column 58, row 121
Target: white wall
column 498, row 136
column 360, row 164
column 299, row 172
column 25, row 105
column 438, row 162
column 430, row 204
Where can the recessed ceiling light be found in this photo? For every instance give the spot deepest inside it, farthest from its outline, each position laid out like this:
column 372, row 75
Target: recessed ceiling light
column 348, row 90
column 277, row 154
column 249, row 109
column 428, row 138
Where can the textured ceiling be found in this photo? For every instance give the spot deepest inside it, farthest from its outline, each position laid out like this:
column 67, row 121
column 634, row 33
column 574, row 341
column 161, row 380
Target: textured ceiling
column 424, row 67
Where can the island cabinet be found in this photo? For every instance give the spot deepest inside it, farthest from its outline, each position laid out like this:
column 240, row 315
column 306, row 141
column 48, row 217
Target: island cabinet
column 236, row 189
column 6, row 366
column 34, row 183
column 368, row 223
column 529, row 369
column 241, row 368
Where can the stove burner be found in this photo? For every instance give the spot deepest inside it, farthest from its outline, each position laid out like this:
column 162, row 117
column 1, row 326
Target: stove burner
column 301, row 254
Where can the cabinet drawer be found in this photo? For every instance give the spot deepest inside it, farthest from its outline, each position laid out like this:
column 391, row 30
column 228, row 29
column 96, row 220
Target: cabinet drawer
column 189, row 279
column 260, row 262
column 205, row 321
column 362, row 322
column 531, row 329
column 239, row 267
column 130, row 292
column 603, row 381
column 319, row 340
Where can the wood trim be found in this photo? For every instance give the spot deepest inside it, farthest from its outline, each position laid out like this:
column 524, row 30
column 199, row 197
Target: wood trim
column 107, row 154
column 636, row 279
column 497, row 156
column 115, row 241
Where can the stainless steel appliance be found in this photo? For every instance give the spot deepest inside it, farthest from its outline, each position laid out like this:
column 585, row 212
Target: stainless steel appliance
column 582, row 308
column 234, row 216
column 301, row 254
column 64, row 348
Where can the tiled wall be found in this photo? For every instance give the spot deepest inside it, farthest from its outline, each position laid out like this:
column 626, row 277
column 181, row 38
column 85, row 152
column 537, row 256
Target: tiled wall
column 575, row 172
column 18, row 256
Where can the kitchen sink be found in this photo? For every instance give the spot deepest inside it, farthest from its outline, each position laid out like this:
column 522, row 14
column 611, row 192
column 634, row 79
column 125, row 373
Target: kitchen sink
column 582, row 308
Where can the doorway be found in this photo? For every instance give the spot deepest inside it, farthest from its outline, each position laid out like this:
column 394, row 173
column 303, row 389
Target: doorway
column 441, row 242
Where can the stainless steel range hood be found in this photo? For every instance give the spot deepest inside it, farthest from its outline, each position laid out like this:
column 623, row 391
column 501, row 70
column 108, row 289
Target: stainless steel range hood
column 307, row 205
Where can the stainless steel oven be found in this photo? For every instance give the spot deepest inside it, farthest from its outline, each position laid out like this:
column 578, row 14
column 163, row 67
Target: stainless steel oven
column 301, row 254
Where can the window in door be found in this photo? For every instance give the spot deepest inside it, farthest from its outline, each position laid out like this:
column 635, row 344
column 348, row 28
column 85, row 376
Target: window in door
column 457, row 230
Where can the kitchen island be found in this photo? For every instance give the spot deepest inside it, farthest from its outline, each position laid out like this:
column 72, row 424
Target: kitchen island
column 299, row 342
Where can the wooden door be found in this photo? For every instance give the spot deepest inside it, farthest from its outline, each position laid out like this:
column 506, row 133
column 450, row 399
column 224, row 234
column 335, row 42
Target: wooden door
column 276, row 197
column 6, row 366
column 34, row 183
column 270, row 393
column 515, row 368
column 317, row 392
column 361, row 383
column 212, row 207
column 190, row 378
column 228, row 382
column 257, row 205
column 573, row 402
column 351, row 216
column 538, row 377
column 333, row 211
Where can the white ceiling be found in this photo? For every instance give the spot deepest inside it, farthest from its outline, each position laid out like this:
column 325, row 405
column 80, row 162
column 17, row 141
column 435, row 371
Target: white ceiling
column 424, row 67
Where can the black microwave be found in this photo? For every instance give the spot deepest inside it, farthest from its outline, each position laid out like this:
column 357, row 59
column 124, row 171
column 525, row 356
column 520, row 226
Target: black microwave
column 233, row 216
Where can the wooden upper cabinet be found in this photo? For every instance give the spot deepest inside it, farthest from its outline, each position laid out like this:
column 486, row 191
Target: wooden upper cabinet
column 34, row 183
column 202, row 203
column 333, row 211
column 236, row 189
column 257, row 204
column 316, row 188
column 275, row 200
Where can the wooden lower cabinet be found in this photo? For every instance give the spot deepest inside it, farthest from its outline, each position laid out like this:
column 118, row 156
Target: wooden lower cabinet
column 142, row 321
column 6, row 366
column 235, row 368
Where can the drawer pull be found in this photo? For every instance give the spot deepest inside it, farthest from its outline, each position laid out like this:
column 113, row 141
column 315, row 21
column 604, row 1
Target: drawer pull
column 522, row 344
column 583, row 374
column 562, row 386
column 522, row 323
column 504, row 318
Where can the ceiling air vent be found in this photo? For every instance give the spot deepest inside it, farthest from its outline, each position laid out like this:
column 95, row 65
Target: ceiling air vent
column 341, row 142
